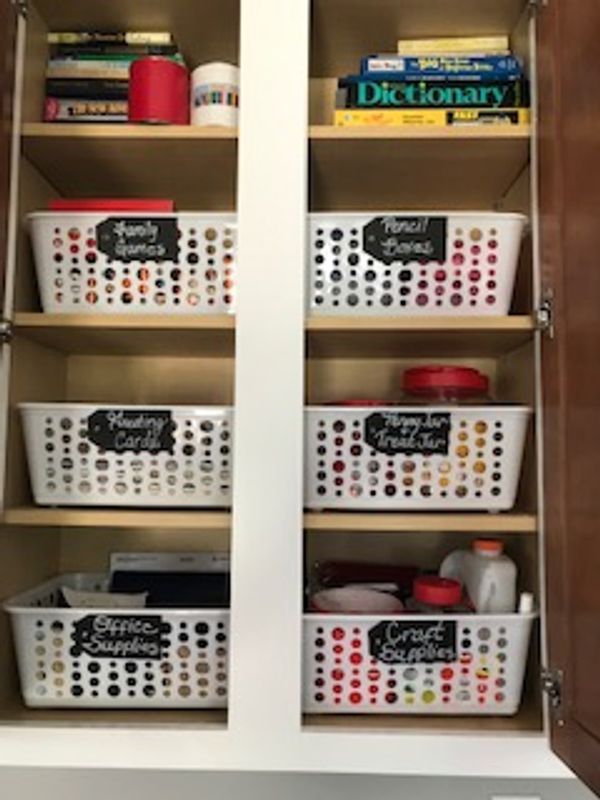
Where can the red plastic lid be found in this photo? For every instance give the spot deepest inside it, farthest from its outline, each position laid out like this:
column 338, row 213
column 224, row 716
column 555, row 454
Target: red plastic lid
column 434, row 378
column 435, row 591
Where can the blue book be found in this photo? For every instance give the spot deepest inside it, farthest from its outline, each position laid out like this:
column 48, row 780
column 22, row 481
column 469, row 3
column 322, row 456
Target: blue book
column 457, row 68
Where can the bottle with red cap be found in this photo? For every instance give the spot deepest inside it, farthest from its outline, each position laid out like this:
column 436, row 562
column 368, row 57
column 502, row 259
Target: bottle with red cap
column 435, row 595
column 442, row 384
column 489, row 576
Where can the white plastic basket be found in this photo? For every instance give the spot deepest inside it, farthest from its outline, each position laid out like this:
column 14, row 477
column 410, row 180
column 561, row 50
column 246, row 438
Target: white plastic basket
column 108, row 455
column 415, row 664
column 180, row 263
column 414, row 457
column 114, row 658
column 395, row 263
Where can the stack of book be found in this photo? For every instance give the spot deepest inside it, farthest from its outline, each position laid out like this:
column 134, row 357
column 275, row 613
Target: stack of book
column 87, row 77
column 442, row 82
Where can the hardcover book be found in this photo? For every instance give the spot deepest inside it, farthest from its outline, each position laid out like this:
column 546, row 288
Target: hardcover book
column 394, row 67
column 464, row 45
column 110, row 37
column 434, row 117
column 81, row 110
column 361, row 92
column 87, row 88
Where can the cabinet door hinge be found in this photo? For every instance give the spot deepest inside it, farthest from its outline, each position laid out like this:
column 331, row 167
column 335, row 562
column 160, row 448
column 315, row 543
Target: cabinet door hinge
column 552, row 683
column 535, row 6
column 544, row 315
column 21, row 7
column 6, row 331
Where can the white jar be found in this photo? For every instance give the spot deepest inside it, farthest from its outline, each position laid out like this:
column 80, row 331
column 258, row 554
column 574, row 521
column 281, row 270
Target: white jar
column 215, row 94
column 489, row 576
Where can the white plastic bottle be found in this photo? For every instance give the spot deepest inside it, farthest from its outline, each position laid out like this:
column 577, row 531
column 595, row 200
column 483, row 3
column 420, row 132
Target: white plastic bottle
column 489, row 576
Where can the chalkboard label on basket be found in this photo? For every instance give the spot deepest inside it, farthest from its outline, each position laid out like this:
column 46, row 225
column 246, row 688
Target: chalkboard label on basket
column 135, row 430
column 119, row 636
column 393, row 432
column 138, row 238
column 422, row 642
column 405, row 239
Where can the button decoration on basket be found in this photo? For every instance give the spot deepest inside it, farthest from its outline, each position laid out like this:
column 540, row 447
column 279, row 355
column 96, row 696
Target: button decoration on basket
column 436, row 653
column 401, row 263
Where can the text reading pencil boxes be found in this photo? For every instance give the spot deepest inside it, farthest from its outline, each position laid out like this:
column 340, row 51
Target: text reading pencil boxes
column 403, row 263
column 180, row 263
column 115, row 658
column 100, row 455
column 415, row 664
column 395, row 458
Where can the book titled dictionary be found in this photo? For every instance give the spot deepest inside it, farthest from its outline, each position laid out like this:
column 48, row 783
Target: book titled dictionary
column 433, row 117
column 464, row 45
column 361, row 92
column 442, row 68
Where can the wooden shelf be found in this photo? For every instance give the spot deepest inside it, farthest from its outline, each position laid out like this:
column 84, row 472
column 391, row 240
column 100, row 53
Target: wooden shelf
column 527, row 720
column 343, row 30
column 427, row 337
column 131, row 334
column 421, row 132
column 33, row 516
column 191, row 718
column 194, row 166
column 418, row 168
column 330, row 521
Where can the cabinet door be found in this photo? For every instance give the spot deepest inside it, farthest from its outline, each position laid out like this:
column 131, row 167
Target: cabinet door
column 569, row 140
column 8, row 29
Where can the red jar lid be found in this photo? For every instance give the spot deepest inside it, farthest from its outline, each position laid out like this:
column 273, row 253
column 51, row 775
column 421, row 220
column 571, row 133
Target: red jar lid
column 435, row 591
column 433, row 379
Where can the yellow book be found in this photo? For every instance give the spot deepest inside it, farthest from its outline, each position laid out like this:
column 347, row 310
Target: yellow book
column 433, row 117
column 466, row 45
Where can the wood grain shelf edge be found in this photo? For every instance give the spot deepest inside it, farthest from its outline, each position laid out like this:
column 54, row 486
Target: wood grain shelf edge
column 327, row 522
column 117, row 518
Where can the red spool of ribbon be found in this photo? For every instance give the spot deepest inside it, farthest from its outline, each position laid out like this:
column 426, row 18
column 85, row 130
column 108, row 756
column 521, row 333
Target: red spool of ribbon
column 159, row 92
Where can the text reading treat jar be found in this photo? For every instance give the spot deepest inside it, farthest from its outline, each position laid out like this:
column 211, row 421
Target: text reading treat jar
column 447, row 448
